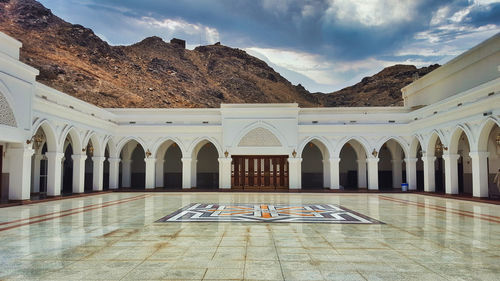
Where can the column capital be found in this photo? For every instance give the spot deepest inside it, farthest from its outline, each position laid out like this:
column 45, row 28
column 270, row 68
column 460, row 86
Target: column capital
column 451, row 157
column 150, row 160
column 77, row 157
column 428, row 158
column 38, row 157
column 361, row 161
column 225, row 160
column 186, row 159
column 114, row 160
column 98, row 158
column 372, row 160
column 54, row 155
column 334, row 159
column 396, row 161
column 479, row 154
column 294, row 160
column 411, row 160
column 126, row 161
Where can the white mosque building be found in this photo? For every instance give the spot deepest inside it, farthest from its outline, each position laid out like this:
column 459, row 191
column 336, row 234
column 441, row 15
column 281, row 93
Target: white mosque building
column 445, row 139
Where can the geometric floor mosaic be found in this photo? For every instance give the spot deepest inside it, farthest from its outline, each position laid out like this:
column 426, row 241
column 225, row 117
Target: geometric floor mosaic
column 267, row 213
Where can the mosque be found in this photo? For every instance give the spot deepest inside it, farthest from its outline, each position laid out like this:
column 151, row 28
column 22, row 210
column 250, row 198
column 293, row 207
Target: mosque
column 445, row 139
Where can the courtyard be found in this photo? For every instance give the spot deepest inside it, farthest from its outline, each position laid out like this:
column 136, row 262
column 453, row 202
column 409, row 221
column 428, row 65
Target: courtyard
column 121, row 236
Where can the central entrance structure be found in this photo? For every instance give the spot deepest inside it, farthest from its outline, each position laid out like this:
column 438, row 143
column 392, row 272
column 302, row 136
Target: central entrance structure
column 259, row 172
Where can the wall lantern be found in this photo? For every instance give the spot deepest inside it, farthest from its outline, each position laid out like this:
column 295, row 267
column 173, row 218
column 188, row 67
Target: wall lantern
column 90, row 149
column 226, row 153
column 439, row 147
column 498, row 140
column 37, row 139
column 148, row 153
column 374, row 153
column 294, row 153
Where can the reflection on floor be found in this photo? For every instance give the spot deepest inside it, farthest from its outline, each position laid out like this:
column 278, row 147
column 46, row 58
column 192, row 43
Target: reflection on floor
column 114, row 236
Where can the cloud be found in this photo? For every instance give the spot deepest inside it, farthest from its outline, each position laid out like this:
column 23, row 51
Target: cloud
column 371, row 13
column 312, row 66
column 322, row 44
column 173, row 27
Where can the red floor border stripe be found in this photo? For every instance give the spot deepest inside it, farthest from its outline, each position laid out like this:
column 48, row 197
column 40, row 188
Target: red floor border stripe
column 77, row 212
column 439, row 209
column 446, row 208
column 68, row 210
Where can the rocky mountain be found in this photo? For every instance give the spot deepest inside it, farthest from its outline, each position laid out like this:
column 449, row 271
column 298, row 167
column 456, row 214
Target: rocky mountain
column 381, row 89
column 153, row 73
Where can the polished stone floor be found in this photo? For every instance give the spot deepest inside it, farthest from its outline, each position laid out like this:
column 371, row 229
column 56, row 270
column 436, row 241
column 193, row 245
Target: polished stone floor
column 114, row 236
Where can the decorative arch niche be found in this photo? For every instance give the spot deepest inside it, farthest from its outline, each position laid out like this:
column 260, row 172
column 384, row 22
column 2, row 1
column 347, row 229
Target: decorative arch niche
column 7, row 117
column 259, row 137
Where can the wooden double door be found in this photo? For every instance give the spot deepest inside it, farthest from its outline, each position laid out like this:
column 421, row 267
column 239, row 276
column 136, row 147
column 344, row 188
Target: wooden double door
column 269, row 172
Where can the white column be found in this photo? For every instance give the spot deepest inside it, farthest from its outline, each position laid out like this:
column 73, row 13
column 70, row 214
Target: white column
column 19, row 160
column 429, row 173
column 326, row 173
column 335, row 173
column 54, row 173
column 451, row 173
column 479, row 173
column 126, row 173
column 362, row 183
column 159, row 173
column 225, row 173
column 150, row 172
column 36, row 172
column 62, row 172
column 114, row 172
column 186, row 173
column 411, row 173
column 397, row 173
column 98, row 172
column 294, row 173
column 194, row 172
column 372, row 173
column 79, row 172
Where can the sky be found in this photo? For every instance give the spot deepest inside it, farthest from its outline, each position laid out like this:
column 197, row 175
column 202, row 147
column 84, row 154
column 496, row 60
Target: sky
column 325, row 45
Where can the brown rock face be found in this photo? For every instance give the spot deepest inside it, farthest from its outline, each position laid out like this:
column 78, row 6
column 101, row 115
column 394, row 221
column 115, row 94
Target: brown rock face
column 153, row 73
column 381, row 89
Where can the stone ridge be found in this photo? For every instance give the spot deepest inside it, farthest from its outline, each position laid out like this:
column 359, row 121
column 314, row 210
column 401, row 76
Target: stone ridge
column 157, row 74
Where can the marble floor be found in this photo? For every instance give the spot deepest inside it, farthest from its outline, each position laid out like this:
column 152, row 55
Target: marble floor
column 114, row 236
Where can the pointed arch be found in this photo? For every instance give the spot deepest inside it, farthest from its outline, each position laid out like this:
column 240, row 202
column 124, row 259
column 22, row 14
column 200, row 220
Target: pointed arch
column 431, row 142
column 96, row 143
column 413, row 149
column 484, row 133
column 363, row 143
column 49, row 131
column 455, row 138
column 199, row 142
column 76, row 141
column 402, row 143
column 322, row 143
column 161, row 146
column 111, row 145
column 124, row 141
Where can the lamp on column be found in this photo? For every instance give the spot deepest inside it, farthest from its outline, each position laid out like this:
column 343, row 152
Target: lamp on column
column 498, row 140
column 148, row 153
column 90, row 149
column 374, row 153
column 226, row 154
column 36, row 140
column 294, row 153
